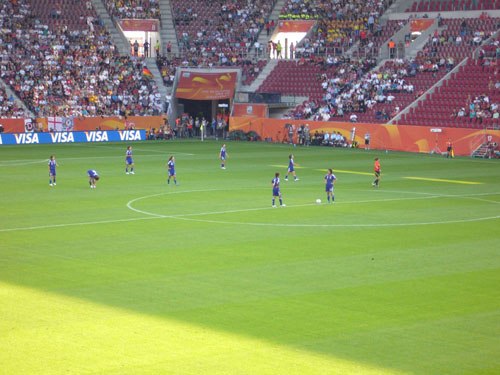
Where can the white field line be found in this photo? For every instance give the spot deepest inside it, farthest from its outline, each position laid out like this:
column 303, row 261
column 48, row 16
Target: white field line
column 150, row 215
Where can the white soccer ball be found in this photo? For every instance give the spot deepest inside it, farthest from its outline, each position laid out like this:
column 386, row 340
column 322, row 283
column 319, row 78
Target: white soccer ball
column 318, row 201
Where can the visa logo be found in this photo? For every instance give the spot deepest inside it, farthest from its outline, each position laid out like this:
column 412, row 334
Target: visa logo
column 62, row 137
column 130, row 135
column 97, row 136
column 26, row 138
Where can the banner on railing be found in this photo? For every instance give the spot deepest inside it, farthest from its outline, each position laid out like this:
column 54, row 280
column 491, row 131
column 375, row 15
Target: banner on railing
column 195, row 85
column 80, row 123
column 72, row 137
column 146, row 25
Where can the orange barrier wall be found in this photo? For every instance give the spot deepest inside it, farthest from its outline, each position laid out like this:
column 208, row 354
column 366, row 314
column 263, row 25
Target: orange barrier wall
column 90, row 123
column 384, row 137
column 12, row 125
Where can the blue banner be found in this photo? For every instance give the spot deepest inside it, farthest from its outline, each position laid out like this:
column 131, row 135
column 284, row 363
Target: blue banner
column 72, row 137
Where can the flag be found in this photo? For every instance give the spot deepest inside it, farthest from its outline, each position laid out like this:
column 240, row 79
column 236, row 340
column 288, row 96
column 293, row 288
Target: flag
column 55, row 124
column 68, row 124
column 146, row 73
column 60, row 124
column 29, row 127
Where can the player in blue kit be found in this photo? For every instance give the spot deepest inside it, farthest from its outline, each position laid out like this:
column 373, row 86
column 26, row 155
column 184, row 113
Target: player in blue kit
column 129, row 162
column 93, row 177
column 330, row 182
column 223, row 156
column 276, row 190
column 291, row 168
column 171, row 170
column 52, row 170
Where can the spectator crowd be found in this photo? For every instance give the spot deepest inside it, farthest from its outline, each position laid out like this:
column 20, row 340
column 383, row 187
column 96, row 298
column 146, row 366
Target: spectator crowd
column 62, row 72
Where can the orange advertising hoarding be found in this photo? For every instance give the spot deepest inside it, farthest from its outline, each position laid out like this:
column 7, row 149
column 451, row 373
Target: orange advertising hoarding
column 206, row 86
column 424, row 139
column 250, row 110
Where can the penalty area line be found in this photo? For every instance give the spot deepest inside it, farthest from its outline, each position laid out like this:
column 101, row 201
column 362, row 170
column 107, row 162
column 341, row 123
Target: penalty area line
column 285, row 166
column 346, row 171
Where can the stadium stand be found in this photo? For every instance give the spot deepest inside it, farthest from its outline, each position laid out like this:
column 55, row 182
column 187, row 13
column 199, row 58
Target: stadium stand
column 133, row 9
column 58, row 58
column 207, row 28
column 340, row 24
column 452, row 5
column 63, row 14
column 382, row 94
column 8, row 106
column 56, row 70
column 469, row 98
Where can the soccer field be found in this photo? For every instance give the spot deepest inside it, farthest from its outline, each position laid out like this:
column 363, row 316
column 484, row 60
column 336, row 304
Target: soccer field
column 139, row 276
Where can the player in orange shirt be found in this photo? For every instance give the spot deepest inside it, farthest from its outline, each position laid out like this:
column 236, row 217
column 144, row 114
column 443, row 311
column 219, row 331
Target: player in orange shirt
column 376, row 170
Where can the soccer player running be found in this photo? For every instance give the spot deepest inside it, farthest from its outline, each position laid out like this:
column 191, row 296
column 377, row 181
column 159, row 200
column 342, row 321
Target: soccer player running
column 93, row 177
column 52, row 170
column 291, row 168
column 276, row 190
column 223, row 156
column 171, row 169
column 129, row 162
column 330, row 181
column 377, row 170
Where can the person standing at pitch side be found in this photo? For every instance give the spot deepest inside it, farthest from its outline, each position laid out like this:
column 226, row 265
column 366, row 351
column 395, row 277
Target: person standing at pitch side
column 376, row 170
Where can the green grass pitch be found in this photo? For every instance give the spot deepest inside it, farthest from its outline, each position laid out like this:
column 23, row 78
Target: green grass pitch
column 140, row 277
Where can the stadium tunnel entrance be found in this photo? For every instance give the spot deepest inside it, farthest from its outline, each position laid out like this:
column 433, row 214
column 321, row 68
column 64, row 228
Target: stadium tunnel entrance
column 209, row 109
column 203, row 93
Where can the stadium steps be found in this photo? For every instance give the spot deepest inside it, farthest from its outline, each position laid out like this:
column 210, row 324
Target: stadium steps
column 153, row 67
column 261, row 77
column 263, row 38
column 117, row 36
column 481, row 151
column 19, row 102
column 167, row 28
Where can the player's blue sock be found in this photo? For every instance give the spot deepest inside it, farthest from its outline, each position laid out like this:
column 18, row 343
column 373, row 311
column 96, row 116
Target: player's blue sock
column 132, row 169
column 273, row 201
column 328, row 198
column 168, row 180
column 175, row 181
column 281, row 202
column 333, row 198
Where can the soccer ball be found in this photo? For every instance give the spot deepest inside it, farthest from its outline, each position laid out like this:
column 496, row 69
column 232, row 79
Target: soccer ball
column 318, row 201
